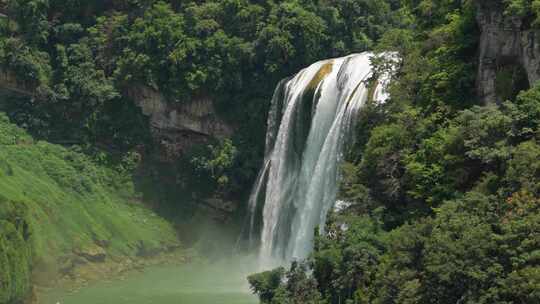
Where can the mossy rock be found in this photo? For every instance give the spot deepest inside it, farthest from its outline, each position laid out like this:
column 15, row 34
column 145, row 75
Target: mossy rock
column 93, row 253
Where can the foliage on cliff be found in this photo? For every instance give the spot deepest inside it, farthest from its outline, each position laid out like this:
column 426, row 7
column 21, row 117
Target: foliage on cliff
column 185, row 46
column 524, row 9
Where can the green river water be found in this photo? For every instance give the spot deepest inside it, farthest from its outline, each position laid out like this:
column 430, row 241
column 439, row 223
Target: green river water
column 186, row 284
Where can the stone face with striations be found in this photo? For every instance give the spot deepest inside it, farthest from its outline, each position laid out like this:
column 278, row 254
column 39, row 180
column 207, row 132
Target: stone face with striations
column 504, row 41
column 177, row 126
column 92, row 253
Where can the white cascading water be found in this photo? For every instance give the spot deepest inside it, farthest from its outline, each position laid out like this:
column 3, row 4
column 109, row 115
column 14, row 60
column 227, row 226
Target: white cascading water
column 310, row 119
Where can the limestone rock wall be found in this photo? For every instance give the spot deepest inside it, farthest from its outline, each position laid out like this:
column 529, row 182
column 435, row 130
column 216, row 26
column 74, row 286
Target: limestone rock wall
column 177, row 126
column 504, row 40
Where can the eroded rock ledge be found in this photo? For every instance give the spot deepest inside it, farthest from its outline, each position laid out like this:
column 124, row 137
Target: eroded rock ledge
column 177, row 126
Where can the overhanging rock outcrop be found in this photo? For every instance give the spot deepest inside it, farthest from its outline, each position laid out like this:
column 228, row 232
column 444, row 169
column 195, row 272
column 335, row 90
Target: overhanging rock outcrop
column 177, row 126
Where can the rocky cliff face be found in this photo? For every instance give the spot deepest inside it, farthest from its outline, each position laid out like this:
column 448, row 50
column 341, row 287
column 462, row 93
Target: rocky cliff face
column 178, row 126
column 509, row 53
column 10, row 86
column 175, row 126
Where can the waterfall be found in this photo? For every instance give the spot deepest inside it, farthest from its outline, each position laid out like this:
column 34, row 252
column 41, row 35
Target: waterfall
column 310, row 120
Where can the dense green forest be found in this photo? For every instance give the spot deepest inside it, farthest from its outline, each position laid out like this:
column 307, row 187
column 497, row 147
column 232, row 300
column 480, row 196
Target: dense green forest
column 445, row 189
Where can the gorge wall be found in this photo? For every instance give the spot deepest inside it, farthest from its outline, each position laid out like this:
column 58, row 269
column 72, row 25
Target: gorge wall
column 177, row 126
column 509, row 53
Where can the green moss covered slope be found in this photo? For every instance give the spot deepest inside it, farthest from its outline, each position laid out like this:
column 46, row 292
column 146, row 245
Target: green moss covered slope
column 56, row 203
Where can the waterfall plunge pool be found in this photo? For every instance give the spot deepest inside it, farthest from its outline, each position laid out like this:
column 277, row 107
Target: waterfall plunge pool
column 209, row 283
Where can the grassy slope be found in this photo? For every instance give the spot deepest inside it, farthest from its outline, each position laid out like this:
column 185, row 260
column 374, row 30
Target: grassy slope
column 69, row 203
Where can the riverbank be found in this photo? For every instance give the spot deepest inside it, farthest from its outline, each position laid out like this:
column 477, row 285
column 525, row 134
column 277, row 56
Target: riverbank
column 117, row 269
column 190, row 282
